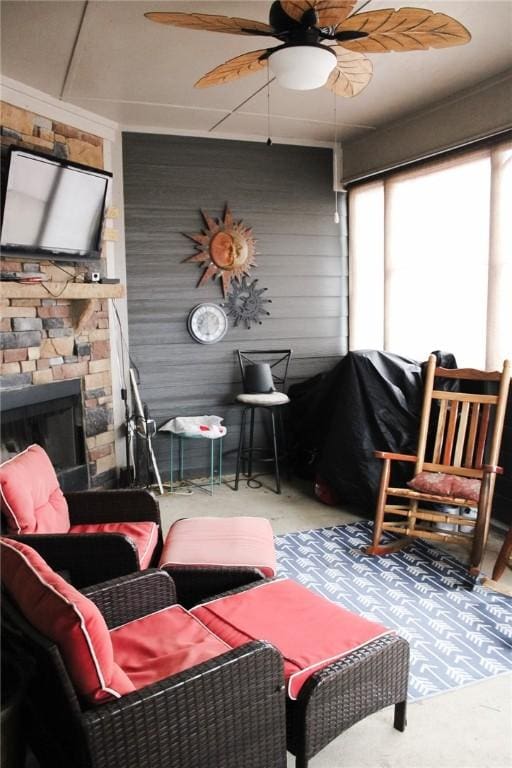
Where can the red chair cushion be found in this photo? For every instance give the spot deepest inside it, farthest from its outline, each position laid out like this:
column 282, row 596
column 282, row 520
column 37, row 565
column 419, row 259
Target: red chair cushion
column 163, row 643
column 143, row 535
column 466, row 488
column 229, row 541
column 64, row 615
column 443, row 484
column 32, row 501
column 308, row 630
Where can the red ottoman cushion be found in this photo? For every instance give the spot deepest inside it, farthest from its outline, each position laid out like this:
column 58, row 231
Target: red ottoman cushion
column 308, row 630
column 143, row 535
column 162, row 644
column 214, row 541
column 64, row 615
column 32, row 501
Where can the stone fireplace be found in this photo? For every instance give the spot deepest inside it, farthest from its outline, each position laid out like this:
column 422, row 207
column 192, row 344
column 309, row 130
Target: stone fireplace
column 47, row 341
column 55, row 334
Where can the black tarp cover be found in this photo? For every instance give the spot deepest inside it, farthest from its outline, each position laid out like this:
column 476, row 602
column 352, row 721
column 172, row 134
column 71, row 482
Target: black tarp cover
column 369, row 401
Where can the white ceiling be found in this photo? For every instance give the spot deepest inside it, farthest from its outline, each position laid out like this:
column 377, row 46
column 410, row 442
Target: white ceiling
column 104, row 56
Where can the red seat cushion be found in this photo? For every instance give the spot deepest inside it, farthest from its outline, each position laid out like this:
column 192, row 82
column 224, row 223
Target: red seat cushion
column 144, row 535
column 61, row 613
column 32, row 501
column 309, row 631
column 466, row 488
column 230, row 541
column 163, row 643
column 444, row 484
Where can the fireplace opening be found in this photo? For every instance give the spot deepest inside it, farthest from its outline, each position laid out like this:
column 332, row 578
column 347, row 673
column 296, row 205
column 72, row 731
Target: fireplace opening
column 51, row 416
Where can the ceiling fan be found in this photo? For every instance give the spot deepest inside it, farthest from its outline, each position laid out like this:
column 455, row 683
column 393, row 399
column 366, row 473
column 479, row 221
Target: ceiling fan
column 322, row 42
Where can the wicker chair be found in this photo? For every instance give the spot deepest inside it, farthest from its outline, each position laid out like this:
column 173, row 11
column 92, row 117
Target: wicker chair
column 89, row 556
column 227, row 712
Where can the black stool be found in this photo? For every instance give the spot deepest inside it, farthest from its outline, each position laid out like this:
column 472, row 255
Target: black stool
column 261, row 371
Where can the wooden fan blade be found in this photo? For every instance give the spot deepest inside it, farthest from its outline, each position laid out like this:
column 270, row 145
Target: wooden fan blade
column 296, row 9
column 234, row 68
column 329, row 12
column 211, row 23
column 407, row 29
column 352, row 73
column 333, row 12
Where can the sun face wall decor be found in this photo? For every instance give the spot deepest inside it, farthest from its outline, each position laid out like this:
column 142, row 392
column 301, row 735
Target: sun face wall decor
column 245, row 303
column 226, row 249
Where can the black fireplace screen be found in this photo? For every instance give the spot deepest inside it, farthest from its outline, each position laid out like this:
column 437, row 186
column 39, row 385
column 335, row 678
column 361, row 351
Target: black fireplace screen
column 51, row 416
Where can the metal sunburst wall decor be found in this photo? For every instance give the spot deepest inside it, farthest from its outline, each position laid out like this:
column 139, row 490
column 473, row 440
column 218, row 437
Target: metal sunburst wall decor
column 226, row 248
column 245, row 303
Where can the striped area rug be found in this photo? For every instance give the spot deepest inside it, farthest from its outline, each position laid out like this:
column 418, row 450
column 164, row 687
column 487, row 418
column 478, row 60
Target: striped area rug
column 459, row 632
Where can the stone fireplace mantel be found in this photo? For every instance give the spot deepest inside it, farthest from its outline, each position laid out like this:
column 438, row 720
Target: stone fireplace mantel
column 64, row 290
column 82, row 294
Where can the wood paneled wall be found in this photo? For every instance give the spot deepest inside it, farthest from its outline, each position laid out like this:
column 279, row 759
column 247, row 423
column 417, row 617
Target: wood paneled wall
column 285, row 194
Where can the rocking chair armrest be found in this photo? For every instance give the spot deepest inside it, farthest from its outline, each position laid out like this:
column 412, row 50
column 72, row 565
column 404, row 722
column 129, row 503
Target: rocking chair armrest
column 394, row 456
column 125, row 506
column 130, row 597
column 492, row 469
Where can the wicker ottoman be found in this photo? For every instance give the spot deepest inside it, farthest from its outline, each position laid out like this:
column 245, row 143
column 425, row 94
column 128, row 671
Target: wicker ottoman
column 363, row 682
column 209, row 555
column 371, row 675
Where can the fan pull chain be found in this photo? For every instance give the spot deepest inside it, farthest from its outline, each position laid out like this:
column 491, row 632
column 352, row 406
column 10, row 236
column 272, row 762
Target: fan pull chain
column 336, row 212
column 269, row 140
column 358, row 10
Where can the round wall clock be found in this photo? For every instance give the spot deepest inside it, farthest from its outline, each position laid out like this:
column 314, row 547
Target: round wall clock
column 207, row 323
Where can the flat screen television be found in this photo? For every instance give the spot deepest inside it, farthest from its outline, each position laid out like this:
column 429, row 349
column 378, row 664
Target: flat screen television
column 52, row 208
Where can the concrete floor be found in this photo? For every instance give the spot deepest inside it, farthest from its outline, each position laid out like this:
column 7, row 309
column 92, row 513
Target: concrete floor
column 466, row 728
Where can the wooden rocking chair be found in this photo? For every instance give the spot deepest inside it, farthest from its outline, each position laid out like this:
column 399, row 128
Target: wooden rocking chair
column 456, row 465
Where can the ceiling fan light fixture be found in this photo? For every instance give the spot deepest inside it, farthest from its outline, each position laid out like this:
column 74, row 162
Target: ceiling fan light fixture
column 302, row 67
